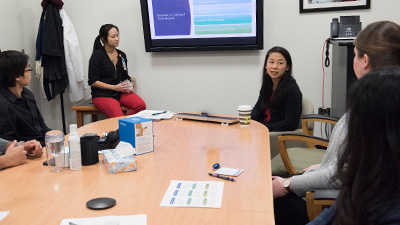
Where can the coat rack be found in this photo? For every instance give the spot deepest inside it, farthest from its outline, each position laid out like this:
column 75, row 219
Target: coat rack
column 49, row 47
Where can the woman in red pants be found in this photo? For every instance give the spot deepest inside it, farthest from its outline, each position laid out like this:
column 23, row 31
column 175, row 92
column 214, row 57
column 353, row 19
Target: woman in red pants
column 108, row 76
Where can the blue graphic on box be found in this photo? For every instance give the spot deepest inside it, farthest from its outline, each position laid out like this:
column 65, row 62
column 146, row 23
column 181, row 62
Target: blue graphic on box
column 223, row 9
column 226, row 19
column 210, row 2
column 171, row 17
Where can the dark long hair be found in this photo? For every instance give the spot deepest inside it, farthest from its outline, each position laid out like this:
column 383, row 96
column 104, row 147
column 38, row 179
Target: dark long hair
column 381, row 42
column 103, row 34
column 267, row 85
column 12, row 65
column 369, row 167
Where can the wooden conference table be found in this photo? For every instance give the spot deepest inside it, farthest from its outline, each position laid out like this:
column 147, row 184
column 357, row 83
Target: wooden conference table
column 183, row 150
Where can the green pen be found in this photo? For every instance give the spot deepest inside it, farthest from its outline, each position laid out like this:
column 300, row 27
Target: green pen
column 158, row 113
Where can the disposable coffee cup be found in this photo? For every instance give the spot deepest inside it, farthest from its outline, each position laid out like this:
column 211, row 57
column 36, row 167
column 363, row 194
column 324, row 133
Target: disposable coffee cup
column 244, row 115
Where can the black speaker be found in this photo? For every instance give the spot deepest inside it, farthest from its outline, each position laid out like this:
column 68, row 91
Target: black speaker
column 89, row 149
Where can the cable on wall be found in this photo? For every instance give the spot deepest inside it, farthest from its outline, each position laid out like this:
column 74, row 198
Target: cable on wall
column 325, row 63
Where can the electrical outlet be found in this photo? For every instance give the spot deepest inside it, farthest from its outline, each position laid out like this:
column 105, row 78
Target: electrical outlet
column 325, row 111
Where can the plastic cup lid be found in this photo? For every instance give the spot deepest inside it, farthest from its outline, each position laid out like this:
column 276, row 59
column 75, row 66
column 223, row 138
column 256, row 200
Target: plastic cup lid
column 244, row 107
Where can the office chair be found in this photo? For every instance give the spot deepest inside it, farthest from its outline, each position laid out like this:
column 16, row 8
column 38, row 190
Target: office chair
column 307, row 108
column 292, row 160
column 318, row 200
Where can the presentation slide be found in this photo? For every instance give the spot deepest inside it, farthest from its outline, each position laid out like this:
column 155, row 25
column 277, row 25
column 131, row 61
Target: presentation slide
column 174, row 19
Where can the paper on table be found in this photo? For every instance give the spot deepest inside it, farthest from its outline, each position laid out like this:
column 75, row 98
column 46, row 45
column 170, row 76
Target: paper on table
column 140, row 219
column 149, row 114
column 124, row 149
column 3, row 214
column 229, row 171
column 194, row 194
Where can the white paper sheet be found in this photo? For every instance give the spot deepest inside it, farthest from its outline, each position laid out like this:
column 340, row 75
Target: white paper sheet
column 229, row 171
column 194, row 194
column 149, row 114
column 3, row 214
column 140, row 219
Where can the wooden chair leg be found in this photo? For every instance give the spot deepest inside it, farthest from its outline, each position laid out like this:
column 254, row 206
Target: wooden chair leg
column 94, row 117
column 79, row 118
column 315, row 206
column 310, row 205
column 317, row 209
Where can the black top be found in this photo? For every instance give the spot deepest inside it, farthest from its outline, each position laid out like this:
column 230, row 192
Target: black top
column 283, row 117
column 20, row 119
column 55, row 77
column 102, row 69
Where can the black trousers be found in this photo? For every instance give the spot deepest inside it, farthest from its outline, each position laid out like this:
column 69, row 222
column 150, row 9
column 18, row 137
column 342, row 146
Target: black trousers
column 290, row 210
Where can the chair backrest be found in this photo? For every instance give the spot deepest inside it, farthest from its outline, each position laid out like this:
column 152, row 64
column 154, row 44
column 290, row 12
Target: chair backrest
column 307, row 108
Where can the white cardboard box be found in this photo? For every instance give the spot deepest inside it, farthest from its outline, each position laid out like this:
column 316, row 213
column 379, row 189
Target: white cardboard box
column 138, row 132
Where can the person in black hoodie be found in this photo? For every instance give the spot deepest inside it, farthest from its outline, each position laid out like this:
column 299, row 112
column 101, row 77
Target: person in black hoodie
column 108, row 76
column 280, row 101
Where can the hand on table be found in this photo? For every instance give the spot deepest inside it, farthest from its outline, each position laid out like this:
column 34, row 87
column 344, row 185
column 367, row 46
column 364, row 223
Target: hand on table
column 278, row 189
column 15, row 155
column 33, row 147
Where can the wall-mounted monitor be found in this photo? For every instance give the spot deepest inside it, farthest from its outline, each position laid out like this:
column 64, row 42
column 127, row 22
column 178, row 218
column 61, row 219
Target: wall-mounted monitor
column 197, row 25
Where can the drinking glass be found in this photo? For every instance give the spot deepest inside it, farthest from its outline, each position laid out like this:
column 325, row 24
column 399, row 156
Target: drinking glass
column 54, row 145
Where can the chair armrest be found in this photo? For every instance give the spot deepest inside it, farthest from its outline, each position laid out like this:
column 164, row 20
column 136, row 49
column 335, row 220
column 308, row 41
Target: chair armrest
column 326, row 194
column 273, row 140
column 304, row 138
column 316, row 118
column 296, row 137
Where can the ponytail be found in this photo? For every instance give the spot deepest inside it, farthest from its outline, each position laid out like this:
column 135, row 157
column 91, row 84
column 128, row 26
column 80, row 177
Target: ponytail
column 97, row 43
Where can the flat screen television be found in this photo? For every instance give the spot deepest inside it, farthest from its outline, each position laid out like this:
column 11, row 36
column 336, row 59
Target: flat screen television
column 198, row 25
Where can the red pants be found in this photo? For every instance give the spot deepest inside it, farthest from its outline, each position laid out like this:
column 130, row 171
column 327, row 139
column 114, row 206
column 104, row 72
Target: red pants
column 112, row 108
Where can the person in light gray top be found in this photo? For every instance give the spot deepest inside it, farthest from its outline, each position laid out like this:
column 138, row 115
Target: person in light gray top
column 368, row 168
column 319, row 176
column 376, row 46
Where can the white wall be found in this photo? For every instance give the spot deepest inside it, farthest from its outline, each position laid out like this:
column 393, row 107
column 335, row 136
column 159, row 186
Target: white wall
column 10, row 34
column 196, row 81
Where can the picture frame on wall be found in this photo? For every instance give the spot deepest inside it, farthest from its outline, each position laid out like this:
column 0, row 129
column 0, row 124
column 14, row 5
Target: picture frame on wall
column 307, row 6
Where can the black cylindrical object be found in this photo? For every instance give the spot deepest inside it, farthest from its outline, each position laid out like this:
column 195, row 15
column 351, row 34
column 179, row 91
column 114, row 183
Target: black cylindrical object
column 89, row 149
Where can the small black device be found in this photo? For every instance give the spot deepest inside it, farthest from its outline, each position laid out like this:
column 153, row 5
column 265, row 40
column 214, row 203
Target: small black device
column 347, row 28
column 110, row 140
column 101, row 203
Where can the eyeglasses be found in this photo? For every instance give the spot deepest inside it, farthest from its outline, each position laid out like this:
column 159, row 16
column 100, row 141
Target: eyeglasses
column 30, row 69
